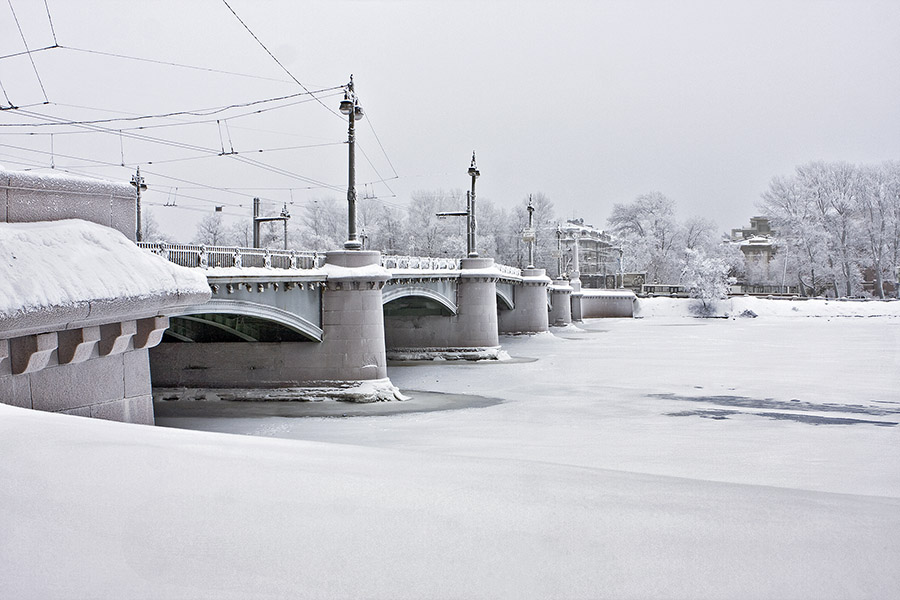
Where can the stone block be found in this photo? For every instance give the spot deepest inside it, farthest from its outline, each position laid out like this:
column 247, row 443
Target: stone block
column 15, row 390
column 77, row 345
column 130, row 410
column 84, row 411
column 71, row 386
column 5, row 368
column 136, row 365
column 31, row 353
column 150, row 331
column 115, row 337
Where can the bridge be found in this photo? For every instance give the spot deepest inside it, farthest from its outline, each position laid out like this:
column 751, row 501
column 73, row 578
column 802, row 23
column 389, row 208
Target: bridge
column 337, row 316
column 102, row 319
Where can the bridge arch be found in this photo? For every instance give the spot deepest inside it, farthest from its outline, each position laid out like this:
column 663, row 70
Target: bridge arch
column 263, row 312
column 504, row 299
column 392, row 293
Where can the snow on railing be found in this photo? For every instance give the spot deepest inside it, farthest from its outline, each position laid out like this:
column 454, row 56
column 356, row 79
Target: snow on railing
column 508, row 270
column 199, row 255
column 425, row 263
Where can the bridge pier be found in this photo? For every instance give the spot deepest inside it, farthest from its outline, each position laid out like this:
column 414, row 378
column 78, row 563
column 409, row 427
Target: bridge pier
column 345, row 361
column 471, row 333
column 560, row 303
column 530, row 313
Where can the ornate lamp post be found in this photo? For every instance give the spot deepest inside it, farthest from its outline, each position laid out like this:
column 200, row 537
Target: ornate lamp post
column 469, row 213
column 474, row 173
column 350, row 107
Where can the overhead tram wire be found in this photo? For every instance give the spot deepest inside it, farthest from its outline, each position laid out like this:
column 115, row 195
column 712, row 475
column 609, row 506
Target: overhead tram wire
column 204, row 112
column 278, row 62
column 24, row 52
column 171, row 64
column 185, row 146
column 30, row 57
column 106, row 164
column 50, row 20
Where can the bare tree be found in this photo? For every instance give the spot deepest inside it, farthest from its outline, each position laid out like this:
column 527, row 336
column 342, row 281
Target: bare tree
column 211, row 230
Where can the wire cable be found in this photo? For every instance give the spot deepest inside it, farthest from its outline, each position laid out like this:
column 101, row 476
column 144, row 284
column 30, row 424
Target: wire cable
column 203, row 112
column 30, row 57
column 278, row 62
column 171, row 64
column 50, row 20
column 24, row 52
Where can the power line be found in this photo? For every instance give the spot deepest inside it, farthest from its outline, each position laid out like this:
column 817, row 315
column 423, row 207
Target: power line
column 171, row 64
column 24, row 52
column 25, row 43
column 50, row 20
column 383, row 151
column 203, row 112
column 278, row 62
column 185, row 146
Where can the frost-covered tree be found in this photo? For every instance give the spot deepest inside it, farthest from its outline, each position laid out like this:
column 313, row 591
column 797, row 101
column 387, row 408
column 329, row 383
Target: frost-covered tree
column 321, row 225
column 429, row 235
column 706, row 273
column 211, row 230
column 650, row 235
column 834, row 220
column 150, row 231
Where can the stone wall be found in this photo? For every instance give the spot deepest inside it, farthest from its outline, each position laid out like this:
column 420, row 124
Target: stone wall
column 26, row 197
column 101, row 372
column 607, row 303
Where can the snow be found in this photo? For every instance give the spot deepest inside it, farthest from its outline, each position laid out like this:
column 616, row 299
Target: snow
column 775, row 307
column 72, row 184
column 663, row 457
column 64, row 263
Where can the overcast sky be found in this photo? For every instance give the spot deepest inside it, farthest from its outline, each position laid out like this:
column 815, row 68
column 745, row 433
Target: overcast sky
column 591, row 103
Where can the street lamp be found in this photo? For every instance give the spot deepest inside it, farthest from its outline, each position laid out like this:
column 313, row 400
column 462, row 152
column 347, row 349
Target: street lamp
column 469, row 213
column 350, row 107
column 470, row 237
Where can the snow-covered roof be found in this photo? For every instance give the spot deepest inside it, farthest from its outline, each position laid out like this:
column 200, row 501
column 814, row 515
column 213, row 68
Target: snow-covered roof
column 62, row 274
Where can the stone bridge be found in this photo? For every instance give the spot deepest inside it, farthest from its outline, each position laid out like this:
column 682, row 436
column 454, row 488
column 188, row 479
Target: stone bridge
column 337, row 316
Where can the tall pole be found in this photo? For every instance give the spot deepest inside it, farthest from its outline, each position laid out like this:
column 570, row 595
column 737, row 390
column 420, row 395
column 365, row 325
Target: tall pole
column 530, row 233
column 350, row 107
column 138, row 182
column 471, row 224
column 558, row 250
column 256, row 222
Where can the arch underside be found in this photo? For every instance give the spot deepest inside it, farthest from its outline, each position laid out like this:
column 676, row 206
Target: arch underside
column 395, row 296
column 504, row 299
column 236, row 321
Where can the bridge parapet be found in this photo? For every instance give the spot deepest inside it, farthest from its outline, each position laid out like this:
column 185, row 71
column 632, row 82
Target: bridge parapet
column 202, row 256
column 427, row 263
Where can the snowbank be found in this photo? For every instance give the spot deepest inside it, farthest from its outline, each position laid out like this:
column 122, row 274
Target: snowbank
column 63, row 265
column 771, row 307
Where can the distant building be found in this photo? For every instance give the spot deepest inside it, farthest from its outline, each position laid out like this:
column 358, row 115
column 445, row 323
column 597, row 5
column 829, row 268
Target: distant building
column 757, row 241
column 599, row 260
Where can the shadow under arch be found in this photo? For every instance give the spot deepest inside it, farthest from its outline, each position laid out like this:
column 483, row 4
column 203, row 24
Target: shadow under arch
column 238, row 320
column 398, row 296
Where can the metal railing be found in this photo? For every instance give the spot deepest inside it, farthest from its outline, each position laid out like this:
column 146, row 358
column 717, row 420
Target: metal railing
column 204, row 257
column 508, row 270
column 425, row 263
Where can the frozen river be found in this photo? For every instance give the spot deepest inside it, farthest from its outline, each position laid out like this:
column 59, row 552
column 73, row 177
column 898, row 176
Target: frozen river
column 657, row 457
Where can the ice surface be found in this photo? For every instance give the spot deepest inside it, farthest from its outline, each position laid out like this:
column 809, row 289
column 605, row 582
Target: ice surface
column 580, row 484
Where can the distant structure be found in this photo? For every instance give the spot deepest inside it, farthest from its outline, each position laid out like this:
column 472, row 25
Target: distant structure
column 596, row 256
column 757, row 241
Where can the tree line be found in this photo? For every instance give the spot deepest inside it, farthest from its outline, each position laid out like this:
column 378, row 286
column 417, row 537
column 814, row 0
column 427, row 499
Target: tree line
column 831, row 221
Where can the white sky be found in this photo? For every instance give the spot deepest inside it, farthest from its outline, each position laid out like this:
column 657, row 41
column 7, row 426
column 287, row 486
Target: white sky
column 591, row 103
